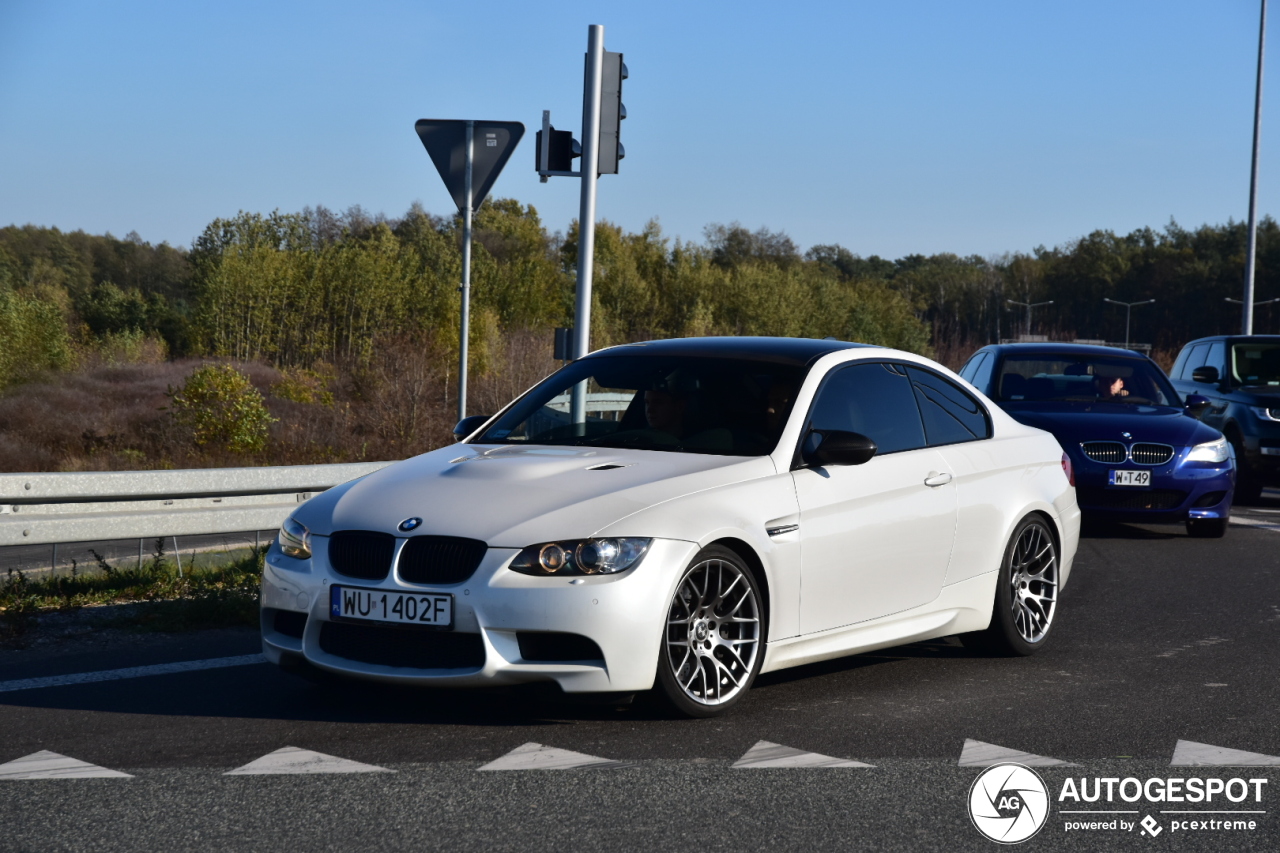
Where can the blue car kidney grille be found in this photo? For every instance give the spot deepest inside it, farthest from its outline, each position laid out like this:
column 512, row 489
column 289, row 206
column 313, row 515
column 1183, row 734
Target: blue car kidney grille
column 440, row 559
column 1105, row 451
column 1151, row 454
column 363, row 554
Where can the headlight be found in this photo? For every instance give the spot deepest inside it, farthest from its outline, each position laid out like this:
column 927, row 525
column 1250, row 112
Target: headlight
column 1272, row 414
column 1210, row 451
column 581, row 557
column 295, row 540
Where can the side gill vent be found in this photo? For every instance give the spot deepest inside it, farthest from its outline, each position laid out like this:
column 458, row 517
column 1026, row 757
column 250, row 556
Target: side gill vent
column 606, row 466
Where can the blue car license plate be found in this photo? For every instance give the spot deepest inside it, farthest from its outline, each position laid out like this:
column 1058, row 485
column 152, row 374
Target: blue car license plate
column 1141, row 479
column 384, row 605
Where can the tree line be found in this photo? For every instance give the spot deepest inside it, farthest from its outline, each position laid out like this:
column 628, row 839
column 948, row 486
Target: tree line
column 294, row 290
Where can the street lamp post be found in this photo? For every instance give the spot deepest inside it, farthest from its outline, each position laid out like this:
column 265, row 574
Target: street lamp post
column 1255, row 305
column 1128, row 309
column 1028, row 306
column 1251, row 257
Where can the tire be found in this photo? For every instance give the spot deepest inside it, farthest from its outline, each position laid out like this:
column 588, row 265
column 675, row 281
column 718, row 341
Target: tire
column 1206, row 528
column 714, row 637
column 1248, row 488
column 1026, row 599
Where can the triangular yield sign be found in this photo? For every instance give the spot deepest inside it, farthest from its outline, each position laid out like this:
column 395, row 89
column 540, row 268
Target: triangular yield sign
column 492, row 143
column 291, row 759
column 976, row 753
column 765, row 754
column 535, row 756
column 50, row 765
column 1188, row 753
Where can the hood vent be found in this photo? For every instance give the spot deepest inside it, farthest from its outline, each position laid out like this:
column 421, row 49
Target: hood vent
column 606, row 466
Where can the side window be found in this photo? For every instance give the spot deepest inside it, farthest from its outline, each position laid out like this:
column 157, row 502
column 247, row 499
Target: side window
column 950, row 414
column 1217, row 357
column 873, row 399
column 973, row 366
column 982, row 379
column 1195, row 359
column 1180, row 363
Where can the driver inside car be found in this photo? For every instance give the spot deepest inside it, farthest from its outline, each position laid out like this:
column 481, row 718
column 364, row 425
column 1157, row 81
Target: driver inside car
column 1109, row 387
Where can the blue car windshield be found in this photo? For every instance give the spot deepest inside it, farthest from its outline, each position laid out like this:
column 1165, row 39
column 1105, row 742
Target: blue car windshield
column 1256, row 364
column 687, row 404
column 1045, row 377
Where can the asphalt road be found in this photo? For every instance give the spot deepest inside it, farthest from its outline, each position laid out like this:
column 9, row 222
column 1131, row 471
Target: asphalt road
column 1160, row 639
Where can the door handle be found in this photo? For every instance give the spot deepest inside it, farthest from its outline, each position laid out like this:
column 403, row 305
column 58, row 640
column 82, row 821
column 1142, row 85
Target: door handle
column 935, row 479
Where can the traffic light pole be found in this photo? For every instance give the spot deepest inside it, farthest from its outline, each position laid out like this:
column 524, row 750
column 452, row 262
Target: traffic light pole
column 587, row 211
column 464, row 331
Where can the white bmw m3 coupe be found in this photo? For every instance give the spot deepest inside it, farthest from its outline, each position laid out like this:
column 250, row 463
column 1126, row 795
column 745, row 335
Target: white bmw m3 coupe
column 681, row 516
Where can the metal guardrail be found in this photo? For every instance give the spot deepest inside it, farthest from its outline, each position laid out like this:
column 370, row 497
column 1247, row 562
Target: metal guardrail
column 44, row 509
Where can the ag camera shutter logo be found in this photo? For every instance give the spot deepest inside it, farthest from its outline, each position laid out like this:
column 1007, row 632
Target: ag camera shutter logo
column 1008, row 803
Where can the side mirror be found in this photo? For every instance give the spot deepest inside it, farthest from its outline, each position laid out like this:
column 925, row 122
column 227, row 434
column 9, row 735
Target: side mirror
column 837, row 447
column 1205, row 374
column 1197, row 405
column 466, row 426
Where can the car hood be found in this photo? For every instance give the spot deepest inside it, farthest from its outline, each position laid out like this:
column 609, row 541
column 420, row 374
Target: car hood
column 1263, row 395
column 516, row 496
column 1072, row 423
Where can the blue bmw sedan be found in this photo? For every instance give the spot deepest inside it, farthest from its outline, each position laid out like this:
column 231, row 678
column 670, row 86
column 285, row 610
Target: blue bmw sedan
column 1138, row 452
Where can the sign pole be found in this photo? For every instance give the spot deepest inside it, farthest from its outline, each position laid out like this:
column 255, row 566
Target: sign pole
column 1251, row 257
column 465, row 330
column 587, row 210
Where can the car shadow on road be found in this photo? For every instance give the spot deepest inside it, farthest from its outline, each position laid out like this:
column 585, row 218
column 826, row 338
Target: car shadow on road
column 947, row 647
column 1101, row 529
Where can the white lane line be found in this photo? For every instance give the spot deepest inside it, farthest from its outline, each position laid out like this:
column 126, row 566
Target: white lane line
column 50, row 765
column 765, row 754
column 1188, row 753
column 1254, row 522
column 292, row 760
column 535, row 756
column 129, row 672
column 976, row 753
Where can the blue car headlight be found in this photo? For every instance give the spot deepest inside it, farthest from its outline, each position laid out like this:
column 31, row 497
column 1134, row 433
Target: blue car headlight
column 1272, row 414
column 1211, row 451
column 581, row 556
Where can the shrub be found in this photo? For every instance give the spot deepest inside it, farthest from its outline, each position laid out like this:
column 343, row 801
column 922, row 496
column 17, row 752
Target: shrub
column 219, row 406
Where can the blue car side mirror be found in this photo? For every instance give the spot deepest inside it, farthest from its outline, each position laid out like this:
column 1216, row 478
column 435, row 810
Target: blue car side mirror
column 1196, row 405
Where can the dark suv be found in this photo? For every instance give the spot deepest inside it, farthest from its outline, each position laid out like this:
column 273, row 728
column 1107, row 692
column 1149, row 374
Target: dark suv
column 1241, row 377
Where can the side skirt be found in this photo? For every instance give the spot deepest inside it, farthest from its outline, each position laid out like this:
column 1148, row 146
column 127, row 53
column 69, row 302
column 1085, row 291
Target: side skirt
column 958, row 609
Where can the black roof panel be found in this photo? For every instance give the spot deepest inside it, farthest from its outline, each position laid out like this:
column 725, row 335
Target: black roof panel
column 797, row 351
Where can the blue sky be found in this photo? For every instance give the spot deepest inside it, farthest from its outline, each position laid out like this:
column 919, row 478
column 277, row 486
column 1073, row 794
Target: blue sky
column 890, row 128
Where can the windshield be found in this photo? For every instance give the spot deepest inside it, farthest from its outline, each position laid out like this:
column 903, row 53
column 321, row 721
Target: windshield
column 724, row 406
column 1033, row 377
column 1256, row 364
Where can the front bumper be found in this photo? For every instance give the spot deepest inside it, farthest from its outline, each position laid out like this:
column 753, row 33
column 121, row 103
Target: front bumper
column 622, row 614
column 1180, row 490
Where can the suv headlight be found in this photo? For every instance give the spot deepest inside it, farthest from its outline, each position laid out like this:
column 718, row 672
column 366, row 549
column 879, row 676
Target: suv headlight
column 581, row 557
column 1272, row 414
column 1211, row 451
column 295, row 539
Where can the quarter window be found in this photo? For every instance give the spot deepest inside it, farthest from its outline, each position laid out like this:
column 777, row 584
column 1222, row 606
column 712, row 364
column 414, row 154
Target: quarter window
column 951, row 415
column 1194, row 359
column 972, row 367
column 873, row 399
column 982, row 379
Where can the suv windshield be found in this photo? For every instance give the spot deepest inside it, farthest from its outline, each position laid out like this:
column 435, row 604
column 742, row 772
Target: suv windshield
column 690, row 404
column 1256, row 364
column 1041, row 377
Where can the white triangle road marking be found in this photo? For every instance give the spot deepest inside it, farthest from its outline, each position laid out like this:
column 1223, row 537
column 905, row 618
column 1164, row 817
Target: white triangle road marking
column 535, row 756
column 977, row 753
column 1188, row 753
column 765, row 754
column 50, row 765
column 292, row 760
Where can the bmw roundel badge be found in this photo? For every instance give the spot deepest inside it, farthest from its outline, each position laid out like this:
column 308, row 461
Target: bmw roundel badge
column 410, row 524
column 1122, row 435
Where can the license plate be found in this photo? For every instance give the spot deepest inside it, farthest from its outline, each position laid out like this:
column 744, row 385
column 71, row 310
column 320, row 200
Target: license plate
column 1131, row 478
column 384, row 605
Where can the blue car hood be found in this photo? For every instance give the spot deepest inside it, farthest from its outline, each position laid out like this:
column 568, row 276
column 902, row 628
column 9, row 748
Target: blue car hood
column 1074, row 422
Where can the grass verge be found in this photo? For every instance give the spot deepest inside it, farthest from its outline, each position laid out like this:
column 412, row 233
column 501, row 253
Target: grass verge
column 206, row 597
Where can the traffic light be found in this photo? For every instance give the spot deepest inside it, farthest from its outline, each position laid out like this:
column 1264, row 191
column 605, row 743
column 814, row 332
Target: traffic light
column 561, row 149
column 612, row 112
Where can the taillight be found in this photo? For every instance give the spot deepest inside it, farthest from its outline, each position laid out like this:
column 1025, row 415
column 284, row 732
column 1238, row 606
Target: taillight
column 1068, row 470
